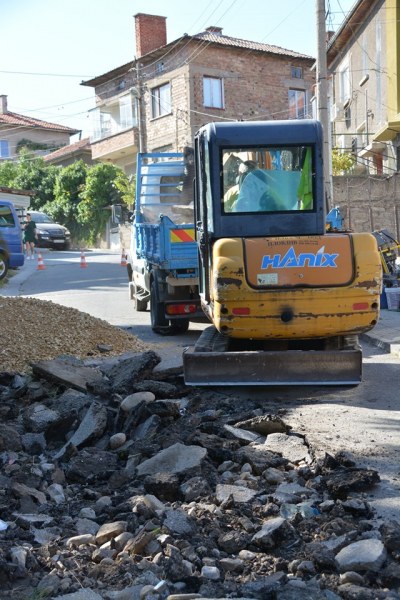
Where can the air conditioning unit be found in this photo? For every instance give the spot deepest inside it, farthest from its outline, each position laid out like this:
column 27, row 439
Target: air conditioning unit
column 337, row 113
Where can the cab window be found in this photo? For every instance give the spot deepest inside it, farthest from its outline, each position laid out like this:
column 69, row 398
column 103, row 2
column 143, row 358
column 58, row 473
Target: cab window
column 268, row 179
column 6, row 217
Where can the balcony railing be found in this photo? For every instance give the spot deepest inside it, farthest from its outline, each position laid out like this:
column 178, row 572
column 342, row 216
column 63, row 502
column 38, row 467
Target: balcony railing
column 116, row 115
column 110, row 128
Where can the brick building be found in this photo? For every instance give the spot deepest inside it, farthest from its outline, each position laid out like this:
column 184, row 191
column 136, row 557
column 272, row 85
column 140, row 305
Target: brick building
column 159, row 100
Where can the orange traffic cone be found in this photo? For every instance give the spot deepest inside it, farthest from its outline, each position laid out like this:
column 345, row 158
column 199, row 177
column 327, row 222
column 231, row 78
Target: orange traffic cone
column 123, row 258
column 40, row 263
column 83, row 260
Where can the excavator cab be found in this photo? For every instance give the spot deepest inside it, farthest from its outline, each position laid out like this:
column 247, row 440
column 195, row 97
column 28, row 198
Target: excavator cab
column 283, row 159
column 256, row 180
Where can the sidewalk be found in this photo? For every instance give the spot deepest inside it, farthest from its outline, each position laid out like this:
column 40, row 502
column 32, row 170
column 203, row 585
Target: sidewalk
column 386, row 333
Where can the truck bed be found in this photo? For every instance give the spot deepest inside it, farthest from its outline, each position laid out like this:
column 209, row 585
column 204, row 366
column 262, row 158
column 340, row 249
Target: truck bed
column 167, row 245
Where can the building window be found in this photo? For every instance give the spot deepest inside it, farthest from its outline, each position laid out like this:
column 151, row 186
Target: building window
column 105, row 124
column 161, row 100
column 362, row 139
column 4, row 149
column 213, row 92
column 159, row 67
column 297, row 72
column 364, row 56
column 297, row 104
column 344, row 82
column 127, row 113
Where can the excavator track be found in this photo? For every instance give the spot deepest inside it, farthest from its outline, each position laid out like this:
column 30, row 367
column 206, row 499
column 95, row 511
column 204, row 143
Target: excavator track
column 214, row 362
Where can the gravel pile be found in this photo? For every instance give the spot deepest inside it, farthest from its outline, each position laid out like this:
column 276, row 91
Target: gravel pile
column 34, row 329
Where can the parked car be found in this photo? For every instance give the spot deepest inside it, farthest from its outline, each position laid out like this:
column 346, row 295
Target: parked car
column 11, row 249
column 50, row 234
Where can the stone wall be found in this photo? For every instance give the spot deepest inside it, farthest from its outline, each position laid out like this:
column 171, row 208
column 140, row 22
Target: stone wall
column 369, row 203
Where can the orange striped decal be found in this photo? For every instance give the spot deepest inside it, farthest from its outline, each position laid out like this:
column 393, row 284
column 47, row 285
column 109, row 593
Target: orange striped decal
column 182, row 235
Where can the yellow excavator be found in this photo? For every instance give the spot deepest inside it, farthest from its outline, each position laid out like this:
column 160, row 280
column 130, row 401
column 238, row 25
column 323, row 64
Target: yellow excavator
column 287, row 299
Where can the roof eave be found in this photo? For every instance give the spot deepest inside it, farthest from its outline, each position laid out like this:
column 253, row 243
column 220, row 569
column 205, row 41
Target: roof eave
column 118, row 71
column 348, row 29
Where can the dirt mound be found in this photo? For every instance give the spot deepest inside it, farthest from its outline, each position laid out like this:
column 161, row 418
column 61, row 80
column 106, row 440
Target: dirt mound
column 33, row 330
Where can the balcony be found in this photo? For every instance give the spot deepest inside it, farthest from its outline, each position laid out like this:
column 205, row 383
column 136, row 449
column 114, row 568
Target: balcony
column 114, row 134
column 117, row 147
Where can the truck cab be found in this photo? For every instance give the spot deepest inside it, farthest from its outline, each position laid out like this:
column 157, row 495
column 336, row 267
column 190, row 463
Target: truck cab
column 163, row 260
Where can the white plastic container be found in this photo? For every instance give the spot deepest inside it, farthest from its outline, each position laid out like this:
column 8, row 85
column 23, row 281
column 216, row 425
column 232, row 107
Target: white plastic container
column 393, row 298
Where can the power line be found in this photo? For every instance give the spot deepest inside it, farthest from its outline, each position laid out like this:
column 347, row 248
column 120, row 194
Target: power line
column 45, row 74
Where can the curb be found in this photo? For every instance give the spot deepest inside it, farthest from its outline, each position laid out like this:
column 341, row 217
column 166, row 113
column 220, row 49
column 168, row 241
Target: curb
column 384, row 345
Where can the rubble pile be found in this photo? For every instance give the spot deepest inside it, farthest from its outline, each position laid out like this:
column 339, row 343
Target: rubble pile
column 118, row 482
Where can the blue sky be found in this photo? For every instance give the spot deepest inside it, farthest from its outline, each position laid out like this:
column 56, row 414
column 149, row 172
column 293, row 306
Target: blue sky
column 50, row 46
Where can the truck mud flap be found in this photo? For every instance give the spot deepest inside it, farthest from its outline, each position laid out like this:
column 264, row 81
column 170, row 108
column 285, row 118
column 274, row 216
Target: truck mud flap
column 282, row 367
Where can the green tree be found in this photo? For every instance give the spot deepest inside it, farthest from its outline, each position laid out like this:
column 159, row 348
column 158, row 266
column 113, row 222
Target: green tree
column 127, row 188
column 8, row 173
column 77, row 196
column 96, row 198
column 342, row 162
column 30, row 173
column 69, row 184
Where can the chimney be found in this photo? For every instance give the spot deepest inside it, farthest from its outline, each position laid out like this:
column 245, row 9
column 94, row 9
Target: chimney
column 213, row 29
column 3, row 105
column 150, row 32
column 329, row 36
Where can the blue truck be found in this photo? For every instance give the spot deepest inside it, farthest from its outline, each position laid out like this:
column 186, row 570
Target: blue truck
column 11, row 247
column 163, row 259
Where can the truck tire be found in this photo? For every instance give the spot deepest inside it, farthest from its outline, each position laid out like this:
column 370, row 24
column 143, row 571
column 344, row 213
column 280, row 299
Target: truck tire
column 159, row 323
column 3, row 266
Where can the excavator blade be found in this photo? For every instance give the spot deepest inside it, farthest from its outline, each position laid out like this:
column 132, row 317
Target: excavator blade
column 289, row 367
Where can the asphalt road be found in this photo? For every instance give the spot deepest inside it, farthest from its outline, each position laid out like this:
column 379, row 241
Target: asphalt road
column 363, row 420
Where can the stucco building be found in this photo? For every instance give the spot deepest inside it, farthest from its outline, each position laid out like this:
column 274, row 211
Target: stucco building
column 363, row 60
column 39, row 136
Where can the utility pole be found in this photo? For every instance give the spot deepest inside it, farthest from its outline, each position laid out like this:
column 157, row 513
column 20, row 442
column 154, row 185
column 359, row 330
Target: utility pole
column 322, row 100
column 139, row 106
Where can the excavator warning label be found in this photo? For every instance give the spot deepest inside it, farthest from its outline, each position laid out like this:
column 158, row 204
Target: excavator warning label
column 267, row 279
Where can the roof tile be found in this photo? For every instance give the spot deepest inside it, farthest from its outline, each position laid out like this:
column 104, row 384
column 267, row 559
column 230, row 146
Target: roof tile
column 210, row 37
column 10, row 118
column 69, row 149
column 239, row 43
